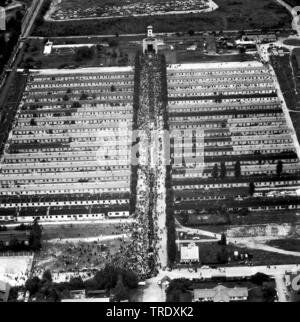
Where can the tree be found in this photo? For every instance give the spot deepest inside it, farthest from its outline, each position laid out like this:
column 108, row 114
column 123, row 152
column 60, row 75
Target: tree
column 269, row 293
column 35, row 236
column 120, row 290
column 251, row 188
column 14, row 244
column 33, row 285
column 215, row 171
column 47, row 277
column 223, row 170
column 191, row 32
column 84, row 53
column 33, row 122
column 76, row 105
column 130, row 279
column 279, row 168
column 83, row 97
column 237, row 169
column 260, row 278
column 242, row 50
column 223, row 240
column 113, row 88
column 222, row 256
column 113, row 43
column 66, row 98
column 76, row 283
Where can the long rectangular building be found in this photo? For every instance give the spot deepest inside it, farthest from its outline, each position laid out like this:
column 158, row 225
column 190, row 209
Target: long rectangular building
column 229, row 130
column 68, row 155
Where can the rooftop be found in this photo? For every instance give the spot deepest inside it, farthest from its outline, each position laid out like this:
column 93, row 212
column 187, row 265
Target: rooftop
column 221, row 294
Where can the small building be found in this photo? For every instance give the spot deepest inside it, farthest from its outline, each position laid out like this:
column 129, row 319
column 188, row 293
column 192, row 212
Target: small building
column 189, row 254
column 87, row 300
column 4, row 291
column 88, row 296
column 48, row 48
column 22, row 237
column 165, row 281
column 221, row 294
column 192, row 48
column 260, row 38
column 150, row 44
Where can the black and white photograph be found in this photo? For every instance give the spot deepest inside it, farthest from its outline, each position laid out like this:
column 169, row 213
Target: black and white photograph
column 149, row 153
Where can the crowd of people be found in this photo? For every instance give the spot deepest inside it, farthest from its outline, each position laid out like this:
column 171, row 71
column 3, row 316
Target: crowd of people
column 144, row 251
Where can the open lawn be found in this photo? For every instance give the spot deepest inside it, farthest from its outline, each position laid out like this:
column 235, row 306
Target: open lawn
column 286, row 244
column 288, row 84
column 80, row 231
column 292, row 42
column 231, row 15
column 117, row 54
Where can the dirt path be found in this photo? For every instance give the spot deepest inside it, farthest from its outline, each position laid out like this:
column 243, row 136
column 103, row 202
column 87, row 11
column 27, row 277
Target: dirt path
column 100, row 238
column 254, row 243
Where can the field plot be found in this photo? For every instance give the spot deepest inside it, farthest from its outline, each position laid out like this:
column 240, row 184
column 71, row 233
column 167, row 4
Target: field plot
column 231, row 148
column 105, row 53
column 287, row 244
column 75, row 9
column 231, row 15
column 68, row 154
column 70, row 231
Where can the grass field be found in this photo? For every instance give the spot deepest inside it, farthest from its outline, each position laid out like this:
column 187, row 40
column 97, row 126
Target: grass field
column 288, row 84
column 292, row 42
column 121, row 54
column 231, row 15
column 80, row 231
column 286, row 244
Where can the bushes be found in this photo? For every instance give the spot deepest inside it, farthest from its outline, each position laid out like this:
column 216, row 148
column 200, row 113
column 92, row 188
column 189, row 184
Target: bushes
column 109, row 278
column 33, row 242
column 84, row 53
column 170, row 220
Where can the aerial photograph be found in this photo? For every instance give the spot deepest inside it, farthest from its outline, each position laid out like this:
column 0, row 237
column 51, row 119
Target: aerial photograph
column 149, row 152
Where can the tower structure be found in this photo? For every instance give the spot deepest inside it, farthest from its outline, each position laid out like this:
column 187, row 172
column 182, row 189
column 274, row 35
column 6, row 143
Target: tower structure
column 150, row 44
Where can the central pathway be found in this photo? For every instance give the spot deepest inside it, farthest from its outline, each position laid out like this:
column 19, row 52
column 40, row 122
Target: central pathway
column 151, row 191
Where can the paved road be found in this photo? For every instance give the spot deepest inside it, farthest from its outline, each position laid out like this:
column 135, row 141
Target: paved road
column 100, row 238
column 252, row 243
column 157, row 294
column 36, row 5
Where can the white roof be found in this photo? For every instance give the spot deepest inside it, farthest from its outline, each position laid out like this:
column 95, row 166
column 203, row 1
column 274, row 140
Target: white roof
column 104, row 299
column 189, row 253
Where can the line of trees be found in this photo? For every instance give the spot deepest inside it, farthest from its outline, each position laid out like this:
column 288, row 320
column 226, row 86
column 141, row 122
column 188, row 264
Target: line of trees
column 32, row 243
column 222, row 172
column 136, row 106
column 115, row 281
